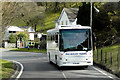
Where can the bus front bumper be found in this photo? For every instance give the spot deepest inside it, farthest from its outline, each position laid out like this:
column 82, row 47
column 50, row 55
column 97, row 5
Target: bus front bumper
column 82, row 63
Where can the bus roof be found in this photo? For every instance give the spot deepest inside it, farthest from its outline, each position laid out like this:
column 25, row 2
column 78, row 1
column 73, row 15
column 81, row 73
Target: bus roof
column 68, row 27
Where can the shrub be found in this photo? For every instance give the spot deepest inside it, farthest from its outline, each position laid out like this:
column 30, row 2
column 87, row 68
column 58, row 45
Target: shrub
column 12, row 38
column 43, row 44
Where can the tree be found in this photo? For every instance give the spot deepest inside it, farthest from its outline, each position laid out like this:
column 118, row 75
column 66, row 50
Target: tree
column 22, row 36
column 12, row 38
column 37, row 20
column 101, row 20
column 84, row 15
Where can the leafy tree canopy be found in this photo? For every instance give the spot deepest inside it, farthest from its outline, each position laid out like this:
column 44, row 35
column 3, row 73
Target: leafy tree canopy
column 22, row 36
column 12, row 38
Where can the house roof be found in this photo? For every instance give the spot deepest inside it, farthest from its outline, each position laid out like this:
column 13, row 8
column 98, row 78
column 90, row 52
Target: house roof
column 71, row 13
column 28, row 28
column 25, row 27
column 14, row 28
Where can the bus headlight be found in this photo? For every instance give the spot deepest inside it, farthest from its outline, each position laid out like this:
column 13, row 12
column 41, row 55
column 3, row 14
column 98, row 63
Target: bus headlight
column 60, row 58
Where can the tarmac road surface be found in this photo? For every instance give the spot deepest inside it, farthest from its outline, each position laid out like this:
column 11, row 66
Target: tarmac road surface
column 37, row 67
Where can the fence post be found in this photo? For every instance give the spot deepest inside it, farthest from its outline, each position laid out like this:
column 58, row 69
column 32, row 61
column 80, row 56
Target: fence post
column 111, row 59
column 105, row 57
column 97, row 54
column 101, row 55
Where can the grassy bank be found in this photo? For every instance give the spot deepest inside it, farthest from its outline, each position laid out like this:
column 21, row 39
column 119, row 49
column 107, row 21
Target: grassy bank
column 7, row 69
column 30, row 50
column 109, row 57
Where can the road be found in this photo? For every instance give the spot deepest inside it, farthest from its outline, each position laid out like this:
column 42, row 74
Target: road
column 37, row 67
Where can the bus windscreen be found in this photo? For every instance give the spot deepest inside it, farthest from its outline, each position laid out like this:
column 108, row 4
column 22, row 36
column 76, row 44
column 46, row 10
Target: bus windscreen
column 75, row 40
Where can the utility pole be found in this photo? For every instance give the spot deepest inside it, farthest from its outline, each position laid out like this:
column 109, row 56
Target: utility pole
column 91, row 13
column 91, row 22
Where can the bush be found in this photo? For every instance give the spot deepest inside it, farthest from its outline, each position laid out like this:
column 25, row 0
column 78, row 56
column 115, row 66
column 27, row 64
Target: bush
column 12, row 38
column 43, row 44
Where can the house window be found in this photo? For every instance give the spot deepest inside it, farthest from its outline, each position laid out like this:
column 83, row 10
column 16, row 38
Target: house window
column 66, row 22
column 35, row 35
column 12, row 31
column 62, row 22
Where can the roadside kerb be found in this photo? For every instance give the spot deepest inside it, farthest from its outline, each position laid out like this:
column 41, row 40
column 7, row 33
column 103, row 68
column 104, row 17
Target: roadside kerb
column 19, row 70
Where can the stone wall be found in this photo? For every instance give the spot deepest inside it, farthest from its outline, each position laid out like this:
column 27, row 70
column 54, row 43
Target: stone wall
column 9, row 45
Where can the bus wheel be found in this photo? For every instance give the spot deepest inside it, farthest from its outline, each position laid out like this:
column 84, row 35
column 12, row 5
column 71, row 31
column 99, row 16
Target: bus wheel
column 56, row 59
column 49, row 59
column 85, row 66
column 60, row 67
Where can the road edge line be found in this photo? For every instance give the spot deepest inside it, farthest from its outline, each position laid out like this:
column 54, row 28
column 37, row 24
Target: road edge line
column 102, row 72
column 21, row 71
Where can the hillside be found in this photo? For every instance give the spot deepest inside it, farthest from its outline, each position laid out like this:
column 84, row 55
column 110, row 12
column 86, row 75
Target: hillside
column 42, row 15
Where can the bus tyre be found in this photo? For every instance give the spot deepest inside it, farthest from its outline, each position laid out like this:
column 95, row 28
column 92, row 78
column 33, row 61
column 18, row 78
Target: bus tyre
column 56, row 59
column 60, row 67
column 85, row 66
column 50, row 60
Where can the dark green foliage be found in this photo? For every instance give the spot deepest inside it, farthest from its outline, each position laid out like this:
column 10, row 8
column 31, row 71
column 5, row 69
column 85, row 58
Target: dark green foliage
column 43, row 44
column 12, row 38
column 36, row 20
column 101, row 20
column 116, row 24
column 22, row 36
column 84, row 15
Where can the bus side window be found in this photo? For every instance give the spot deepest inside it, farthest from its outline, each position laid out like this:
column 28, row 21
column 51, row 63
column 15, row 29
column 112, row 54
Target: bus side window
column 50, row 37
column 56, row 38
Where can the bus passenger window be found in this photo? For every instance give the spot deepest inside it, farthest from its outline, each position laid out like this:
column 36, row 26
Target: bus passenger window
column 56, row 38
column 51, row 38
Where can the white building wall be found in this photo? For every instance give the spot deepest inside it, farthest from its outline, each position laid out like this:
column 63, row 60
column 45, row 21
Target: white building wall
column 31, row 29
column 39, row 35
column 56, row 24
column 64, row 18
column 31, row 36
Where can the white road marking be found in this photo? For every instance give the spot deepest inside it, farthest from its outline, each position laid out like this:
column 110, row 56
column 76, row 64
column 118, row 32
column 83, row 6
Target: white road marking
column 102, row 72
column 63, row 74
column 21, row 71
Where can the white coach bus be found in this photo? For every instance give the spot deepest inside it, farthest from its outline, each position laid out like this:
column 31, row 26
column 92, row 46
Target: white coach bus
column 70, row 45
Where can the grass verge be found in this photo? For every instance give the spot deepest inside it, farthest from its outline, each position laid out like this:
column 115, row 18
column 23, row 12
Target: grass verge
column 7, row 69
column 109, row 57
column 30, row 50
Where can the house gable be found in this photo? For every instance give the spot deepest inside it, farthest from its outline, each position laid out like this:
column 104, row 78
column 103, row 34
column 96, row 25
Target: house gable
column 68, row 16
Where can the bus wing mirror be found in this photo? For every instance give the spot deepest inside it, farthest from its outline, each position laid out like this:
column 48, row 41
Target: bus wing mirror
column 56, row 41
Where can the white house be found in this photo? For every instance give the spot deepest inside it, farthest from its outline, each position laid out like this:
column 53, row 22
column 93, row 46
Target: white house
column 30, row 30
column 68, row 16
column 9, row 30
column 14, row 30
